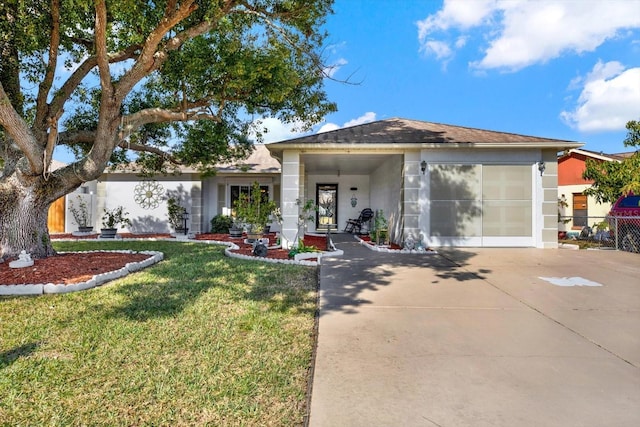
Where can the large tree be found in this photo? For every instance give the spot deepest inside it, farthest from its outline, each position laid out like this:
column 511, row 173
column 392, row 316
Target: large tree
column 173, row 82
column 613, row 179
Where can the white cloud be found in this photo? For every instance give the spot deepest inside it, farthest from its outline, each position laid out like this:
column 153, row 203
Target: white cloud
column 367, row 117
column 440, row 49
column 328, row 127
column 610, row 98
column 522, row 33
column 275, row 130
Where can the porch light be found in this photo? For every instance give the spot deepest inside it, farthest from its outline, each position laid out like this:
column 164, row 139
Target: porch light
column 423, row 166
column 541, row 167
column 185, row 218
column 354, row 199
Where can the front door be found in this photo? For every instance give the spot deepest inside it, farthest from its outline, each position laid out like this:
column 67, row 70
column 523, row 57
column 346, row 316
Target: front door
column 580, row 210
column 327, row 215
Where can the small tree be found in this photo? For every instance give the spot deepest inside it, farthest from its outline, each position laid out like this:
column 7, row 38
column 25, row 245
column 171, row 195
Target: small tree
column 112, row 218
column 254, row 208
column 176, row 213
column 80, row 213
column 613, row 179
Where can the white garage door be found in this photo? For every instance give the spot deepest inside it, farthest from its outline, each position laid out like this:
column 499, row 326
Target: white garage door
column 481, row 205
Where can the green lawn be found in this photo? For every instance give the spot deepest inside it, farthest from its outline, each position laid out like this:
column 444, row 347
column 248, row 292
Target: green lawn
column 198, row 339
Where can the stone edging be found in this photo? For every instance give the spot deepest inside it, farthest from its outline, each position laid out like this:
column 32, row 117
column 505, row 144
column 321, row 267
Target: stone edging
column 97, row 280
column 299, row 261
column 230, row 247
column 395, row 251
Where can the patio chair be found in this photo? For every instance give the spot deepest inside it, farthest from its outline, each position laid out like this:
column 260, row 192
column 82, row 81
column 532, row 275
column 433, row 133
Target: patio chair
column 355, row 225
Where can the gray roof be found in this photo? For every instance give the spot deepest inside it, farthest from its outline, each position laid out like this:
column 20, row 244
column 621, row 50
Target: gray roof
column 260, row 161
column 404, row 131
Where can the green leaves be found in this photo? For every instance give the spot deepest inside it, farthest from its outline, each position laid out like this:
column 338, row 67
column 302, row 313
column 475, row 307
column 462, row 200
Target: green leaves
column 612, row 179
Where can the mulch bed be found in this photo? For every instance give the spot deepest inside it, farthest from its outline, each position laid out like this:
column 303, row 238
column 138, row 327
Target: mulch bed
column 67, row 268
column 244, row 249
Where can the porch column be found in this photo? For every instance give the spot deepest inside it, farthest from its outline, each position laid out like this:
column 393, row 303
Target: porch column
column 411, row 200
column 291, row 183
column 195, row 215
column 548, row 226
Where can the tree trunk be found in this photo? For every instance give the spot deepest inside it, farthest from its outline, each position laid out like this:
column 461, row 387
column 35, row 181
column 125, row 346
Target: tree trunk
column 23, row 221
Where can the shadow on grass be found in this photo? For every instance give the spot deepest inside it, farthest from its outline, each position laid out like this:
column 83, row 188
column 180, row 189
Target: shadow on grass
column 10, row 356
column 190, row 270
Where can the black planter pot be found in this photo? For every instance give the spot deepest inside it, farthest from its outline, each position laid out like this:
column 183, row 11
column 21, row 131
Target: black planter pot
column 85, row 229
column 108, row 233
column 235, row 232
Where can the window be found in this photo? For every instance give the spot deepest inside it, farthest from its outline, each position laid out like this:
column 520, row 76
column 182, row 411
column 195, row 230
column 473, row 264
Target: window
column 236, row 190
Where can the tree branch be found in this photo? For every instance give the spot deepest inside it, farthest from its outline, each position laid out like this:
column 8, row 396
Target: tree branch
column 18, row 130
column 145, row 63
column 160, row 115
column 148, row 149
column 42, row 112
column 82, row 71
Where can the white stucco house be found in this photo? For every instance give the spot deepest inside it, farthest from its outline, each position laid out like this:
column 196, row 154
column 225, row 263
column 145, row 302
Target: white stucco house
column 449, row 185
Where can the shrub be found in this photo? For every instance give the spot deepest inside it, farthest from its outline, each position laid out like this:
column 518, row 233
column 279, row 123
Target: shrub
column 221, row 223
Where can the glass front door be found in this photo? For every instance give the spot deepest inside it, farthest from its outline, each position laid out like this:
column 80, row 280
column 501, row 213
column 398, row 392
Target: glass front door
column 327, row 215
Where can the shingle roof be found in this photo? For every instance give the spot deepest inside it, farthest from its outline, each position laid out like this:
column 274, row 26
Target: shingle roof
column 259, row 161
column 402, row 131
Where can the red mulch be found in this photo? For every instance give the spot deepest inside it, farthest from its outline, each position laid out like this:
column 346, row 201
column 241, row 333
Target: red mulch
column 67, row 268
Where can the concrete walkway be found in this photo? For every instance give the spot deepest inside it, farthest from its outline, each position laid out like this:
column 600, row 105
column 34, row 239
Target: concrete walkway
column 475, row 338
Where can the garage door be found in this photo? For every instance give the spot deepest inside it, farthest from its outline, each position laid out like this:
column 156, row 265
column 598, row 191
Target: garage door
column 481, row 205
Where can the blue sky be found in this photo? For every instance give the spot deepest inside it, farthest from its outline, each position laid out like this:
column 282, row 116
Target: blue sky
column 558, row 69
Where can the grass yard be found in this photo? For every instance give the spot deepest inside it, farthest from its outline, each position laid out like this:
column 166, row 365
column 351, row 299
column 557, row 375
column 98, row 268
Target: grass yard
column 198, row 339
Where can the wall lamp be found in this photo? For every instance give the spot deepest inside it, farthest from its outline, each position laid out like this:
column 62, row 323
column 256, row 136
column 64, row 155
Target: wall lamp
column 541, row 167
column 354, row 199
column 423, row 166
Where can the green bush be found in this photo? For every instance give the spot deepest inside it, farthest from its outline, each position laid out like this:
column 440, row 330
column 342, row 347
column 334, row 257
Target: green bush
column 221, row 223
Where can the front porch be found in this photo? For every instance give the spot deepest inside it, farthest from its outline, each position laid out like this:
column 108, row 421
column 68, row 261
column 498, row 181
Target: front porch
column 343, row 184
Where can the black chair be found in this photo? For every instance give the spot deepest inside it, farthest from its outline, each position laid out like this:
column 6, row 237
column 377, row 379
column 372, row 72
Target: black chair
column 355, row 225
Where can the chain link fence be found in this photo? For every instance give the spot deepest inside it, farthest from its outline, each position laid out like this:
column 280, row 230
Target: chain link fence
column 619, row 232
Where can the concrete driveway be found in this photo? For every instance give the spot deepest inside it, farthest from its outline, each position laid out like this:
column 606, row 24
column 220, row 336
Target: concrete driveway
column 475, row 338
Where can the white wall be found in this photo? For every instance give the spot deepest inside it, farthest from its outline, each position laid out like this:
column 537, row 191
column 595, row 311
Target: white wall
column 120, row 190
column 386, row 191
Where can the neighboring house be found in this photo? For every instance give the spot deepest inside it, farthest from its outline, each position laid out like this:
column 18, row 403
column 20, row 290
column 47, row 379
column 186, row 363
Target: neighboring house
column 451, row 185
column 447, row 185
column 580, row 210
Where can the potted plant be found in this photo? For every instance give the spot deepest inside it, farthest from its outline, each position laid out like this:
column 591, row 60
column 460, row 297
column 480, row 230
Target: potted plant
column 236, row 229
column 111, row 219
column 81, row 215
column 254, row 210
column 177, row 216
column 380, row 233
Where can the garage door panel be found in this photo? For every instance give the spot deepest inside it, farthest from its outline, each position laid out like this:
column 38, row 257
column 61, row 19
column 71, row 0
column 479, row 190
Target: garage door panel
column 500, row 182
column 506, row 218
column 456, row 218
column 489, row 202
column 455, row 182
